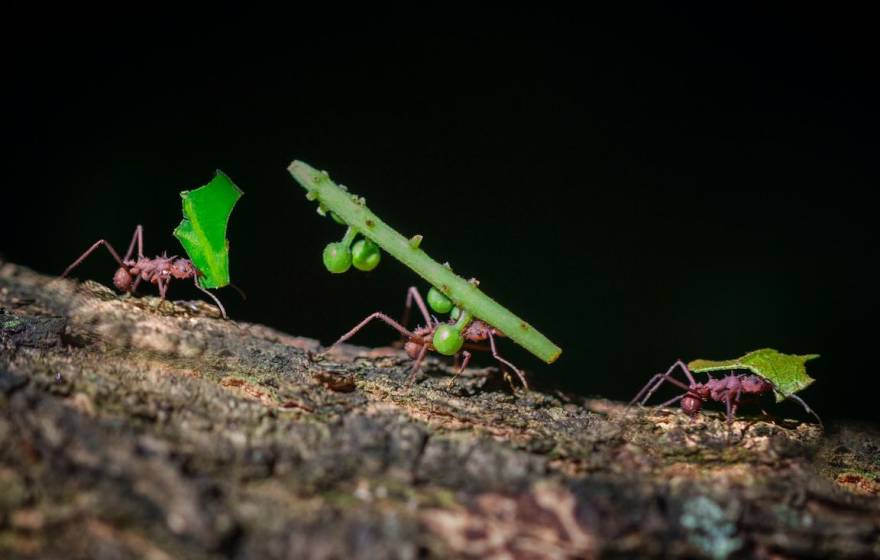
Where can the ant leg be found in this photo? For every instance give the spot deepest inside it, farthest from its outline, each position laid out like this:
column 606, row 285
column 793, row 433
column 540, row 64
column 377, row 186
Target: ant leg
column 505, row 362
column 377, row 315
column 673, row 400
column 464, row 363
column 139, row 238
column 89, row 251
column 135, row 285
column 212, row 296
column 163, row 287
column 415, row 369
column 658, row 380
column 732, row 401
column 807, row 408
column 412, row 294
column 729, row 404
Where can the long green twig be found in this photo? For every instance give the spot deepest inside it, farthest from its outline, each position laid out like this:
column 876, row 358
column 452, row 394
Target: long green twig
column 465, row 294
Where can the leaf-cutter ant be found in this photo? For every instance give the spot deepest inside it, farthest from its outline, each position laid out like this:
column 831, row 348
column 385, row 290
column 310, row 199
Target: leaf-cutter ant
column 159, row 270
column 453, row 338
column 729, row 389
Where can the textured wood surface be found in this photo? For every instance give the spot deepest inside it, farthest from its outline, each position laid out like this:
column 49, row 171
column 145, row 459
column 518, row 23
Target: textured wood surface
column 131, row 427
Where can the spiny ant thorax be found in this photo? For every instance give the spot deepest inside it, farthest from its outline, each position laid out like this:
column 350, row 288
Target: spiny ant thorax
column 718, row 389
column 743, row 383
column 478, row 331
column 152, row 269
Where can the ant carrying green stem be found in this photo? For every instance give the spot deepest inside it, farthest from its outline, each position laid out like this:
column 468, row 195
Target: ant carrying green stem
column 462, row 333
column 351, row 210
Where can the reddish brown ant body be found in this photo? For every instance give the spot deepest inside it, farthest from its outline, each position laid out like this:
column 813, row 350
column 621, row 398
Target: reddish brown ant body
column 420, row 340
column 729, row 389
column 159, row 270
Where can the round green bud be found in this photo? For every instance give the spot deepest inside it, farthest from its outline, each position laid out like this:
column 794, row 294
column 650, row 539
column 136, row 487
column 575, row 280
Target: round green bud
column 337, row 257
column 365, row 255
column 455, row 313
column 438, row 302
column 447, row 340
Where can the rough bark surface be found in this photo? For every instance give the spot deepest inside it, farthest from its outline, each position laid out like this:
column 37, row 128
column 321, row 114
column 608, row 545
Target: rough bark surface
column 131, row 427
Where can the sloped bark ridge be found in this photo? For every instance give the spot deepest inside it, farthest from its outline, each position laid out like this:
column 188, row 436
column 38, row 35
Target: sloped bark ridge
column 131, row 427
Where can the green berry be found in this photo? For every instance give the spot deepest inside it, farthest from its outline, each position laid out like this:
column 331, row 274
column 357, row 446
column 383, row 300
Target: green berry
column 438, row 302
column 337, row 257
column 365, row 255
column 447, row 340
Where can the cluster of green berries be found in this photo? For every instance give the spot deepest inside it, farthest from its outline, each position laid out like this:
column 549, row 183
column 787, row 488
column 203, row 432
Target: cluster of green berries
column 364, row 254
column 448, row 337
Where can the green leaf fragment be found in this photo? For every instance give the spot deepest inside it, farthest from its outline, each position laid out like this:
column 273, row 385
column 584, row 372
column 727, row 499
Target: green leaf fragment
column 202, row 232
column 786, row 372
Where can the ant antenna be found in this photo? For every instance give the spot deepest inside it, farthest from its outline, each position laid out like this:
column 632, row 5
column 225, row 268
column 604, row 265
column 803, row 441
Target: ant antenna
column 807, row 408
column 217, row 301
column 239, row 290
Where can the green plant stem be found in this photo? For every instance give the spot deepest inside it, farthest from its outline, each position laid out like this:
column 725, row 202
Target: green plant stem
column 464, row 319
column 350, row 234
column 466, row 295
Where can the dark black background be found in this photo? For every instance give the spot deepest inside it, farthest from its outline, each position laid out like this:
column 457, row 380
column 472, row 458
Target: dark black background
column 640, row 186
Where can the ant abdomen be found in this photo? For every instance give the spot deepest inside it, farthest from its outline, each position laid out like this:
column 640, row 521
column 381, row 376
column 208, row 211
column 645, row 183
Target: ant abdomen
column 122, row 279
column 412, row 349
column 691, row 405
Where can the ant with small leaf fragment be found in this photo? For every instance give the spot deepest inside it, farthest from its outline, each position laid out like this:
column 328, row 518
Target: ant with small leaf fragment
column 159, row 270
column 729, row 389
column 456, row 337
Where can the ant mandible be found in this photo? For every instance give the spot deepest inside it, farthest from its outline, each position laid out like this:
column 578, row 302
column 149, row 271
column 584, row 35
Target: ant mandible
column 456, row 337
column 729, row 390
column 159, row 270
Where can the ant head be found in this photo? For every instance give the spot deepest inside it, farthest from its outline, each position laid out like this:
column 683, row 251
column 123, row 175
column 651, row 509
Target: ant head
column 122, row 279
column 182, row 268
column 753, row 384
column 691, row 404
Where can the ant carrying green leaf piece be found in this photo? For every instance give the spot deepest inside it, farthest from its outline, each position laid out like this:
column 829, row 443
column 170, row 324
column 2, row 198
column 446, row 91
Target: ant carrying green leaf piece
column 772, row 371
column 202, row 233
column 479, row 317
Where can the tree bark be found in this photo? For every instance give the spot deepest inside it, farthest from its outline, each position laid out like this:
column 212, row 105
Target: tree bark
column 132, row 427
